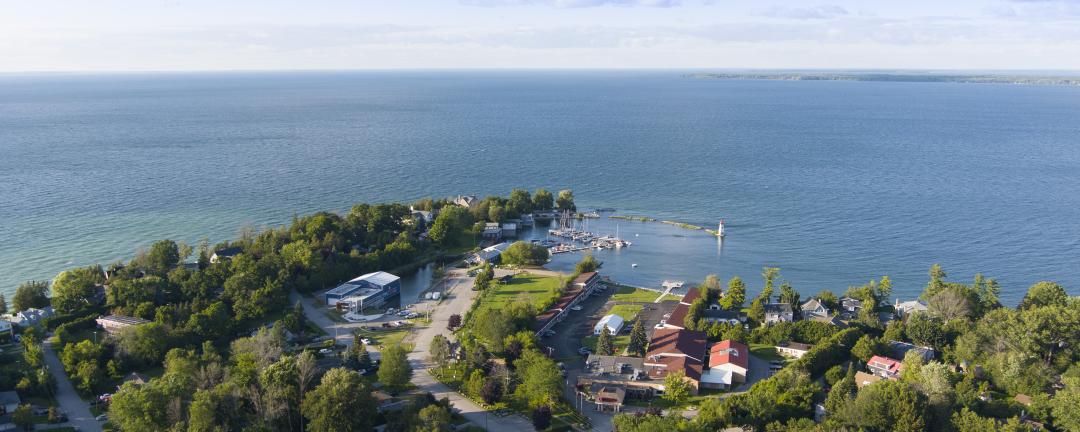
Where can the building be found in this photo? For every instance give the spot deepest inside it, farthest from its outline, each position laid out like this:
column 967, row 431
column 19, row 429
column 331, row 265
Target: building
column 613, row 323
column 31, row 317
column 812, row 308
column 224, row 254
column 6, row 327
column 863, row 379
column 608, row 397
column 831, row 320
column 793, row 349
column 901, row 349
column 677, row 350
column 884, row 367
column 492, row 231
column 778, row 312
column 467, row 201
column 509, row 229
column 492, row 253
column 729, row 363
column 369, row 290
column 9, row 400
column 712, row 313
column 114, row 324
column 715, row 314
column 580, row 289
column 850, row 305
column 628, row 373
column 136, row 378
column 905, row 309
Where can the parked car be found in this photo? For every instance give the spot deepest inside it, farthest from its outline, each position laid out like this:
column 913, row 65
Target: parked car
column 325, row 351
column 367, row 341
column 576, row 308
column 584, row 351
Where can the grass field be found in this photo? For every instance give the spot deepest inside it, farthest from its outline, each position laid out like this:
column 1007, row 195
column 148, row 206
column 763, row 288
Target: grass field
column 765, row 352
column 627, row 312
column 630, row 294
column 621, row 342
column 534, row 289
column 386, row 337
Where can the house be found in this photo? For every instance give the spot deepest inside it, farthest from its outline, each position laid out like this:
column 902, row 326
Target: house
column 224, row 254
column 509, row 229
column 5, row 327
column 850, row 305
column 863, row 379
column 812, row 308
column 793, row 349
column 715, row 314
column 712, row 313
column 586, row 281
column 371, row 289
column 627, row 373
column 9, row 400
column 831, row 320
column 114, row 324
column 467, row 201
column 900, row 349
column 905, row 309
column 884, row 367
column 1024, row 399
column 729, row 362
column 677, row 350
column 492, row 231
column 778, row 312
column 136, row 378
column 608, row 397
column 31, row 317
column 613, row 323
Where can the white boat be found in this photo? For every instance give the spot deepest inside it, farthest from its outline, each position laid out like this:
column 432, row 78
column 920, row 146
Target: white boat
column 633, row 265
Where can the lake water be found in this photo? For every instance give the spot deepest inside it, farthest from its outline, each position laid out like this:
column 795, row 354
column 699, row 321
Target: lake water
column 834, row 182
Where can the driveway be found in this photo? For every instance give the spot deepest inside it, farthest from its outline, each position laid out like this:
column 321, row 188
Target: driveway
column 77, row 410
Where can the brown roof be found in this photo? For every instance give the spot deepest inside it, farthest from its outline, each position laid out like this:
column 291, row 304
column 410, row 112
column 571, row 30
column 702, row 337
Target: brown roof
column 729, row 351
column 675, row 342
column 796, row 345
column 678, row 316
column 690, row 367
column 691, row 295
column 584, row 277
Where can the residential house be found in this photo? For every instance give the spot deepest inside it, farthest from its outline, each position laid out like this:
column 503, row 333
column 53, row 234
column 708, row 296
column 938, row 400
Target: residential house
column 31, row 317
column 729, row 363
column 863, row 379
column 813, row 308
column 715, row 314
column 905, row 309
column 613, row 323
column 608, row 397
column 509, row 229
column 831, row 320
column 492, row 231
column 793, row 349
column 224, row 254
column 677, row 350
column 778, row 312
column 114, row 324
column 136, row 378
column 712, row 313
column 850, row 305
column 9, row 400
column 900, row 349
column 884, row 367
column 467, row 201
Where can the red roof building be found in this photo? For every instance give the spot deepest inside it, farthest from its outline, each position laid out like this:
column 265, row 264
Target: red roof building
column 677, row 350
column 884, row 367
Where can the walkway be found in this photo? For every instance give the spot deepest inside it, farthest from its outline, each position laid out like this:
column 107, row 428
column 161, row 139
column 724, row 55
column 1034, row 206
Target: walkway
column 77, row 410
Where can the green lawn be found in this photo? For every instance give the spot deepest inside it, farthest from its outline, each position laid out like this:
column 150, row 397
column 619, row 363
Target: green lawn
column 525, row 287
column 765, row 352
column 620, row 343
column 627, row 312
column 387, row 337
column 630, row 294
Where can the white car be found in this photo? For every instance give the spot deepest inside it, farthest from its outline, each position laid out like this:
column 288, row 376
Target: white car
column 325, row 351
column 576, row 308
column 366, row 341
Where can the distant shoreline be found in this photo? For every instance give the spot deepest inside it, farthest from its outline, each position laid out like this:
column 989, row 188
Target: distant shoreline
column 1046, row 80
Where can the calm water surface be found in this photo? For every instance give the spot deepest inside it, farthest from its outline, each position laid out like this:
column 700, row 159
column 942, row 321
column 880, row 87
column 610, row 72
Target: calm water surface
column 834, row 182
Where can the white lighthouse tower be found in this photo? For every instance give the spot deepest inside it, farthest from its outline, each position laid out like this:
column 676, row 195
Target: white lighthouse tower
column 720, row 229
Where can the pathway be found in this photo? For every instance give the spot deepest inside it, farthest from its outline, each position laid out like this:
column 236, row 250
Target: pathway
column 77, row 410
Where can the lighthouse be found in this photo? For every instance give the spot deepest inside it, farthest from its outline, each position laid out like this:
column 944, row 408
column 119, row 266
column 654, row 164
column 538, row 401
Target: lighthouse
column 720, row 229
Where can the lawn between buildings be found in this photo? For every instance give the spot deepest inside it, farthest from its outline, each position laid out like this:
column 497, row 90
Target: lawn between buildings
column 537, row 290
column 631, row 294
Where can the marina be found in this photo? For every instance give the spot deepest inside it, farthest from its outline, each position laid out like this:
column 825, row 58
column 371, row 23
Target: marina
column 581, row 238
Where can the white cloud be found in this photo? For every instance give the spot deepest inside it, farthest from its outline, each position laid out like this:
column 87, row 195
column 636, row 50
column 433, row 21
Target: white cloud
column 574, row 3
column 804, row 13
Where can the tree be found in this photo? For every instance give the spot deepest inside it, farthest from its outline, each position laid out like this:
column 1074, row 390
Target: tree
column 341, row 402
column 949, row 304
column 492, row 325
column 936, row 284
column 925, row 330
column 565, row 201
column 474, row 385
column 639, row 341
column 23, row 417
column 676, row 388
column 866, row 347
column 842, row 393
column 524, row 253
column 491, row 392
column 519, row 202
column 72, row 289
column 884, row 289
column 1064, row 404
column 394, row 371
column 484, row 278
column 145, row 343
column 541, row 382
column 587, row 264
column 435, row 418
column 1044, row 294
column 887, row 405
column 32, row 294
column 496, row 213
column 757, row 310
column 3, row 304
column 604, row 344
column 440, row 350
column 829, row 300
column 769, row 275
column 542, row 200
column 514, row 348
column 789, row 295
column 736, row 294
column 163, row 256
column 139, row 408
column 541, row 417
column 453, row 322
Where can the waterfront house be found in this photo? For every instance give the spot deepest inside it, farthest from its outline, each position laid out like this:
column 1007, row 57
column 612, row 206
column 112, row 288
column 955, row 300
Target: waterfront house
column 850, row 305
column 613, row 323
column 492, row 231
column 32, row 316
column 905, row 309
column 900, row 349
column 224, row 254
column 509, row 229
column 778, row 312
column 467, row 201
column 714, row 314
column 114, row 324
column 677, row 350
column 369, row 290
column 729, row 362
column 793, row 349
column 813, row 308
column 884, row 367
column 863, row 379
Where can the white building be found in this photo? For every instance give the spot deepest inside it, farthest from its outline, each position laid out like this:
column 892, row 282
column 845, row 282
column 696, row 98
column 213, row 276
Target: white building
column 614, row 324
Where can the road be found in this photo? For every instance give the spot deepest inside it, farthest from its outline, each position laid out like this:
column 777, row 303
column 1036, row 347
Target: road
column 457, row 298
column 77, row 410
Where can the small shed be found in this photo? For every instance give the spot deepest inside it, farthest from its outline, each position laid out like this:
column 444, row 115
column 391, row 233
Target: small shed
column 614, row 324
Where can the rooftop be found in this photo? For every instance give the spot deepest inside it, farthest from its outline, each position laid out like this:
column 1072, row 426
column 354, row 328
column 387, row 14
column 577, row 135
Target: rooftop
column 691, row 295
column 729, row 352
column 677, row 342
column 778, row 308
column 796, row 345
column 678, row 316
column 584, row 277
column 881, row 362
column 120, row 319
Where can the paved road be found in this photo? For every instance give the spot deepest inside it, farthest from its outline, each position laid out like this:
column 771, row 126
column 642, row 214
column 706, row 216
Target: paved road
column 77, row 410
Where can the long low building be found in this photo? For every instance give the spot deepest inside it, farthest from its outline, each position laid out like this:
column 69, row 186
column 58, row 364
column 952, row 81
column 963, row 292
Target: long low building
column 579, row 289
column 114, row 324
column 369, row 290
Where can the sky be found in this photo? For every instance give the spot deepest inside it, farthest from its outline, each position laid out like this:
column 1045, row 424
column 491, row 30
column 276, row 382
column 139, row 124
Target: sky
column 190, row 35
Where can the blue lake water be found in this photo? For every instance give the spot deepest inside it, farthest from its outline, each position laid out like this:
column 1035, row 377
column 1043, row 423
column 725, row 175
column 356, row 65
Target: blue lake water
column 834, row 182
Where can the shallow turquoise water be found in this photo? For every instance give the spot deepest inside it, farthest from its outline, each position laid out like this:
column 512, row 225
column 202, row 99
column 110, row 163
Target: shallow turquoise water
column 835, row 182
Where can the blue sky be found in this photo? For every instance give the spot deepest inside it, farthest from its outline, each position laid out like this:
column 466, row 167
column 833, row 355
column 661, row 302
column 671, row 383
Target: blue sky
column 131, row 35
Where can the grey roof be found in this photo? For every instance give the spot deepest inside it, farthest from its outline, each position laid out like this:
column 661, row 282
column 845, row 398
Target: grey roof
column 9, row 398
column 380, row 278
column 722, row 314
column 778, row 308
column 614, row 364
column 812, row 304
column 123, row 319
column 900, row 350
